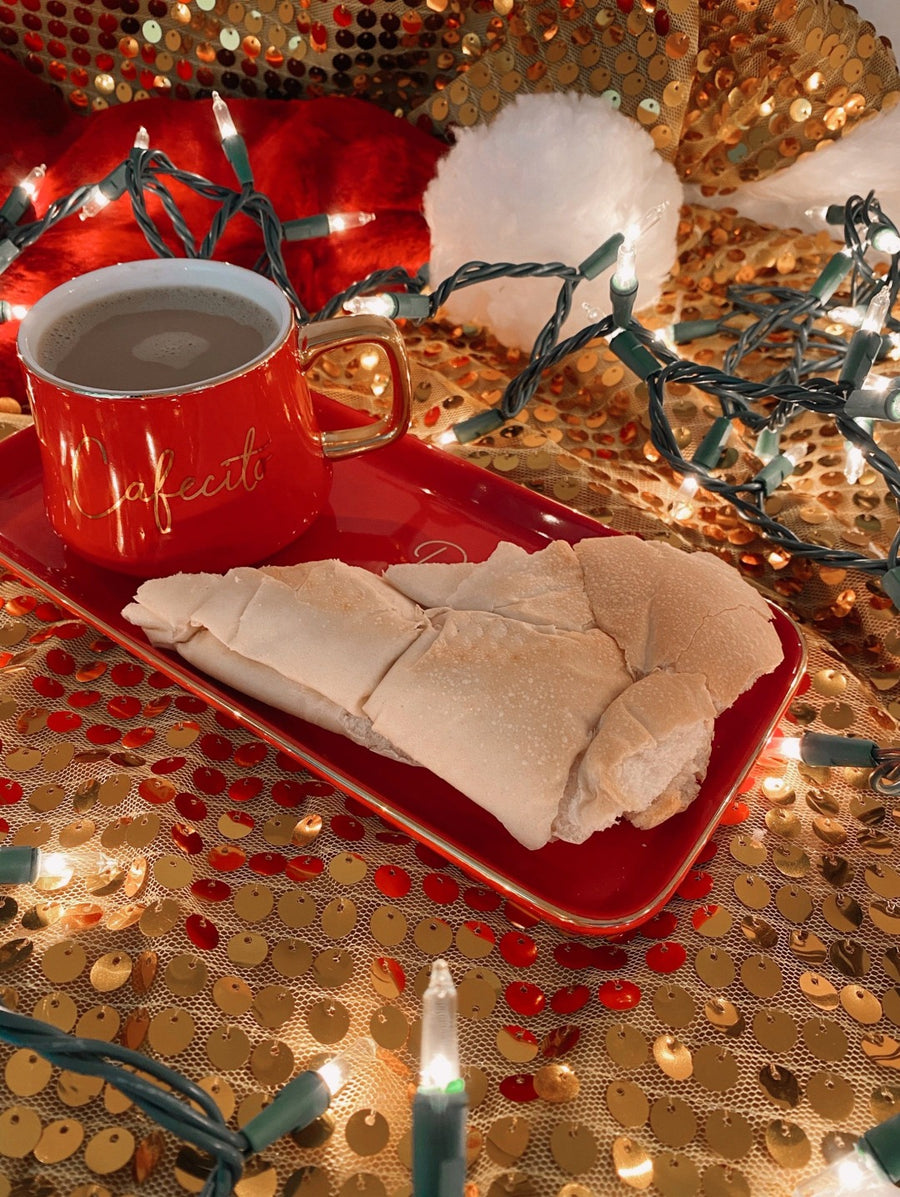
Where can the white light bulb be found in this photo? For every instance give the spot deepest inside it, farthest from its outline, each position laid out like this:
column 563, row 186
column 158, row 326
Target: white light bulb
column 340, row 222
column 95, row 202
column 32, row 181
column 787, row 747
column 886, row 240
column 796, row 453
column 142, row 139
column 854, row 463
column 646, row 222
column 337, row 1071
column 852, row 317
column 625, row 277
column 876, row 312
column 682, row 505
column 224, row 122
column 439, row 1050
column 370, row 305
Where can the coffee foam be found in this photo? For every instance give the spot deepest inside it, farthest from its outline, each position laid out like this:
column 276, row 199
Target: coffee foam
column 176, row 349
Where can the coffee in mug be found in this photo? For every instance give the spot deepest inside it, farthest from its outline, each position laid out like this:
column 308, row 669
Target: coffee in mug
column 141, row 341
column 175, row 421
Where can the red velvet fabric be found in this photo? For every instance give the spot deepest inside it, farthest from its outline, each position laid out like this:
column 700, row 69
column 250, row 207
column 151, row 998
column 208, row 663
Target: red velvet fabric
column 308, row 156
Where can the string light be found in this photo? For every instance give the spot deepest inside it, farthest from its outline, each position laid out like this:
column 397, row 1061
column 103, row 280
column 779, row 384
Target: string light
column 233, row 145
column 885, row 238
column 767, row 445
column 440, row 1103
column 178, row 1105
column 23, row 865
column 682, row 506
column 777, row 315
column 323, row 225
column 307, row 1096
column 114, row 186
column 824, row 750
column 870, row 1170
column 392, row 304
column 22, row 196
column 11, row 311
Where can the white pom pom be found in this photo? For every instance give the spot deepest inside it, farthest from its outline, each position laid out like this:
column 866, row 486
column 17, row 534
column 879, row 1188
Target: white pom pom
column 549, row 180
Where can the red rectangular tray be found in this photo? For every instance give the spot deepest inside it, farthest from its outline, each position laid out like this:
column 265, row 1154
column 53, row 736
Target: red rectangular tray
column 411, row 502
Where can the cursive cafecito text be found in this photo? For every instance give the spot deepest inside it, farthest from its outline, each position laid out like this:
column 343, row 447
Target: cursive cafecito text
column 244, row 471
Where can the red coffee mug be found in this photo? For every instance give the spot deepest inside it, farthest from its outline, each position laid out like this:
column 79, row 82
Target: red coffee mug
column 205, row 476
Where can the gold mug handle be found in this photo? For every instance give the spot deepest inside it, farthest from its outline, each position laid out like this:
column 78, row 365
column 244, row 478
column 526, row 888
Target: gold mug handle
column 315, row 339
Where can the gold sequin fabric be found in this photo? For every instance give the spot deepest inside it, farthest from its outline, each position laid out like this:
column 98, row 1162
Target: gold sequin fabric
column 728, row 91
column 775, row 79
column 254, row 919
column 249, row 919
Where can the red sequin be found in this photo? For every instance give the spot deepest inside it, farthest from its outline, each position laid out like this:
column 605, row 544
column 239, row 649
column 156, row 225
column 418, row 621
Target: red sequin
column 102, row 733
column 572, row 955
column 348, row 828
column 10, row 791
column 124, row 706
column 138, row 737
column 304, row 868
column 695, row 885
column 168, row 764
column 50, row 613
column 609, row 958
column 210, row 781
column 64, row 722
column 440, row 888
column 210, row 889
column 226, row 857
column 267, row 864
column 736, row 812
column 560, row 1041
column 392, row 881
column 59, row 661
column 666, row 957
column 519, row 1088
column 188, row 839
column 524, row 998
column 201, row 932
column 518, row 949
column 570, row 999
column 481, row 899
column 245, row 788
column 250, row 754
column 47, row 687
column 660, row 927
column 189, row 806
column 126, row 674
column 65, row 631
column 619, row 994
column 156, row 791
column 215, row 748
column 288, row 793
